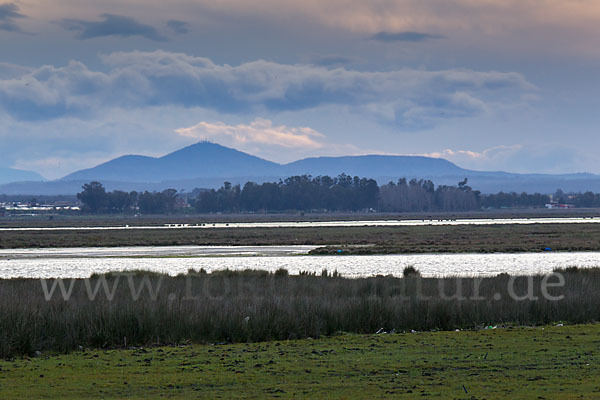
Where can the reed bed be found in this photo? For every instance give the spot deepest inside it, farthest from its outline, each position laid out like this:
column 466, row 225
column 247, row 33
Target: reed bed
column 250, row 306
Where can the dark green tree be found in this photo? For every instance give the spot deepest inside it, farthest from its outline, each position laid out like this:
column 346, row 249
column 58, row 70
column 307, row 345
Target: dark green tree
column 93, row 197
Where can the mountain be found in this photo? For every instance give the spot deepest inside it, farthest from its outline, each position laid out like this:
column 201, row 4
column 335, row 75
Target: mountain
column 200, row 160
column 208, row 165
column 8, row 175
column 374, row 166
column 210, row 160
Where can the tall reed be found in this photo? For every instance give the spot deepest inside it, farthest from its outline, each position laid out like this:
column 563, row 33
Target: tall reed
column 244, row 306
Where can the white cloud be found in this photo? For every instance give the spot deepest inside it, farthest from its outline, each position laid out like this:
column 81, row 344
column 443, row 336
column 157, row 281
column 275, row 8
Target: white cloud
column 470, row 156
column 260, row 131
column 274, row 142
column 520, row 158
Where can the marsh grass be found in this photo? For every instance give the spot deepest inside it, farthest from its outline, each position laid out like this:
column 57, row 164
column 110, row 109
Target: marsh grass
column 353, row 240
column 251, row 306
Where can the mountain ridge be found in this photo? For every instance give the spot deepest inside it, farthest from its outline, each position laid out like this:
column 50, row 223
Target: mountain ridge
column 214, row 161
column 206, row 159
column 378, row 165
column 8, row 175
column 208, row 165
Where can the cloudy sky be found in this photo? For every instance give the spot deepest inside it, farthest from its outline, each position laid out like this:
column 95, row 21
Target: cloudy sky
column 489, row 84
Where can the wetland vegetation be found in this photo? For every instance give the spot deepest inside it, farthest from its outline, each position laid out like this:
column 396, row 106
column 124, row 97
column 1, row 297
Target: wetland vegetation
column 141, row 308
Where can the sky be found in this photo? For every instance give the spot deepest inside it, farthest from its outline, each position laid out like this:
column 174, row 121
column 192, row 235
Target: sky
column 488, row 84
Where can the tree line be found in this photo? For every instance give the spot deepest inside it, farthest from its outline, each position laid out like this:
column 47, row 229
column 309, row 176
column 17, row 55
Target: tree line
column 320, row 194
column 97, row 200
column 422, row 196
column 342, row 193
column 525, row 200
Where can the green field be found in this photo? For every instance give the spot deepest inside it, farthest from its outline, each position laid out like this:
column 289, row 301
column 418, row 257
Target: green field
column 539, row 363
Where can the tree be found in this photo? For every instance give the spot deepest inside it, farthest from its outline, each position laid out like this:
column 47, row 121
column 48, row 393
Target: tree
column 157, row 203
column 119, row 201
column 93, row 197
column 207, row 201
column 168, row 199
column 560, row 196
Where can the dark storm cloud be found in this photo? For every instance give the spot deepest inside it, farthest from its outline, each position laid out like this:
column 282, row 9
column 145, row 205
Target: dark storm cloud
column 408, row 36
column 148, row 79
column 179, row 27
column 111, row 25
column 426, row 111
column 8, row 13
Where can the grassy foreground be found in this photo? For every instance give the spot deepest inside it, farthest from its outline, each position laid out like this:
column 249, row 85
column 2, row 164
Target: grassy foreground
column 537, row 363
column 141, row 309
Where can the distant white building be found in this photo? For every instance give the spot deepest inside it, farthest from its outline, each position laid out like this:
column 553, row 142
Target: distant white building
column 560, row 206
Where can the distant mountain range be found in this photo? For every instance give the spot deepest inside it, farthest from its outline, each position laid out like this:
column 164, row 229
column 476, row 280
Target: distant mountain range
column 209, row 160
column 8, row 175
column 201, row 160
column 208, row 165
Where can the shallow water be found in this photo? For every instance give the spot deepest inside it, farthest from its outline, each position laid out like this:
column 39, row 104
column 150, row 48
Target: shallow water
column 309, row 224
column 350, row 266
column 154, row 251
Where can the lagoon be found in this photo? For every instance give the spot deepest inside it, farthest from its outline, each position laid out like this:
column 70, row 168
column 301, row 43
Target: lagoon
column 81, row 263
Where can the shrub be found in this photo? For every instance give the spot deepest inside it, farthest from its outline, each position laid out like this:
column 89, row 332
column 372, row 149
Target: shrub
column 410, row 271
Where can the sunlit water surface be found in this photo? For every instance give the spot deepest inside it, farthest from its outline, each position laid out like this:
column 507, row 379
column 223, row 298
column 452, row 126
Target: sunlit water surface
column 81, row 263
